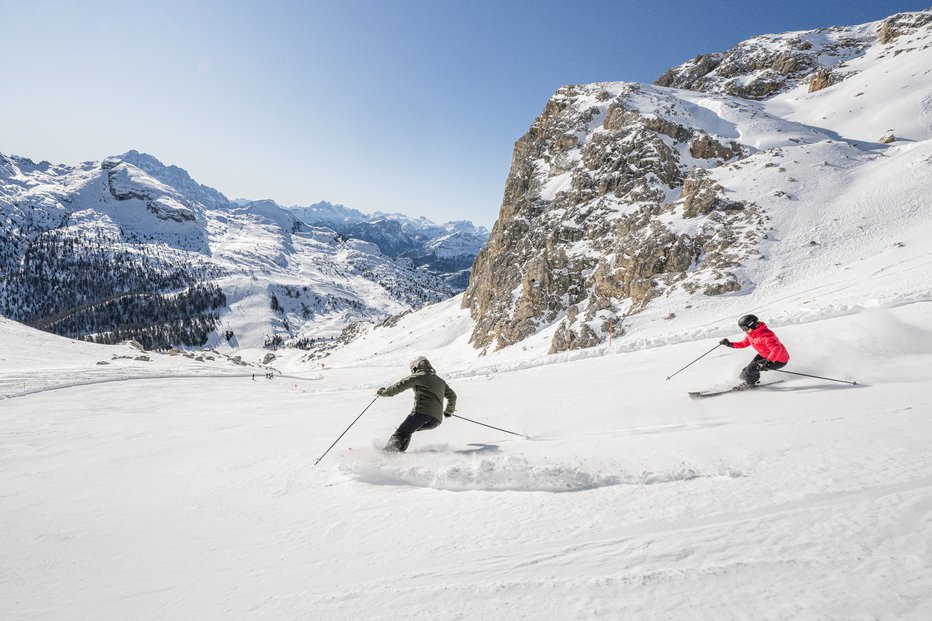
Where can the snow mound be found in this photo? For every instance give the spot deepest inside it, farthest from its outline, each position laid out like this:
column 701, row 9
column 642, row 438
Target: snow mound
column 483, row 471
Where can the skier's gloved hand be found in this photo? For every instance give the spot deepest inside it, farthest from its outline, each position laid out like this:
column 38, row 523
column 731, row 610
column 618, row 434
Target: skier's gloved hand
column 725, row 342
column 447, row 414
column 380, row 392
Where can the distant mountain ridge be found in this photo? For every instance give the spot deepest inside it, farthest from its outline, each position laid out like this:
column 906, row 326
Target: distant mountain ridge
column 128, row 247
column 447, row 250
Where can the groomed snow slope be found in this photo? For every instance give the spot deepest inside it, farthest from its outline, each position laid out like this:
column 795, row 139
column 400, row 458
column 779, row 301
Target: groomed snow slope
column 196, row 498
column 37, row 362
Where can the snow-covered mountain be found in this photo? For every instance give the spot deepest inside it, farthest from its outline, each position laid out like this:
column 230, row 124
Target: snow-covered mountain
column 337, row 216
column 631, row 199
column 130, row 244
column 177, row 178
column 447, row 250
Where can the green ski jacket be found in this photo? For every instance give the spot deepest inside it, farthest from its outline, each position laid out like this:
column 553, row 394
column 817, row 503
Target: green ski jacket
column 429, row 390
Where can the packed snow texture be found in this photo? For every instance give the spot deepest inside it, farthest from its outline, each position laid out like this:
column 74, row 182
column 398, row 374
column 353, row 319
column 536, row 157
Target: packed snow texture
column 190, row 497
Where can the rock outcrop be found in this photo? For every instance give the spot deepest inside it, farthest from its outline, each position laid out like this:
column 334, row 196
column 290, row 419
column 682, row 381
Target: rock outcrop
column 768, row 65
column 902, row 24
column 614, row 195
column 764, row 66
column 607, row 206
column 822, row 78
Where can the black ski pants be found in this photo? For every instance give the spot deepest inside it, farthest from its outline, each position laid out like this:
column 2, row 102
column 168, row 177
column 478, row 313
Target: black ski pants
column 402, row 436
column 751, row 373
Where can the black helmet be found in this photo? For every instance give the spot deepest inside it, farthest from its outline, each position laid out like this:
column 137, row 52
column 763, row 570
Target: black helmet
column 748, row 322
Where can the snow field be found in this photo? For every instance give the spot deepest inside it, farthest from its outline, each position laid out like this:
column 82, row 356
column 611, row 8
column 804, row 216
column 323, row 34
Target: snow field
column 194, row 498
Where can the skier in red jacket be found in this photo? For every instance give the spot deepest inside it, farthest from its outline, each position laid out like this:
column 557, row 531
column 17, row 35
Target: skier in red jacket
column 771, row 354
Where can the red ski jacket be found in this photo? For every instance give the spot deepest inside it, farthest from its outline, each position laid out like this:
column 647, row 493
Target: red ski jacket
column 766, row 343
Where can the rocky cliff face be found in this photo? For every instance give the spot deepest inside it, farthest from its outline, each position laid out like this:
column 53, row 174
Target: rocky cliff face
column 608, row 206
column 612, row 198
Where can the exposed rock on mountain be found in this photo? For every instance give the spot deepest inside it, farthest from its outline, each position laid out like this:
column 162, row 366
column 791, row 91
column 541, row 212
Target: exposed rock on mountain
column 902, row 24
column 767, row 65
column 616, row 197
column 605, row 209
column 821, row 79
column 764, row 66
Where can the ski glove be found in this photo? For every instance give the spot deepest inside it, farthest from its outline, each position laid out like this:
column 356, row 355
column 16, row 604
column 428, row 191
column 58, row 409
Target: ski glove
column 447, row 414
column 380, row 392
column 725, row 342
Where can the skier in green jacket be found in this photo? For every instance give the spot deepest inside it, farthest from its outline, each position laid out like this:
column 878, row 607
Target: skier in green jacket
column 428, row 412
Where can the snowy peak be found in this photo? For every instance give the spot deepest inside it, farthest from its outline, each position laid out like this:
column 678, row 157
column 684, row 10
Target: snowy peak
column 127, row 183
column 386, row 234
column 457, row 244
column 329, row 214
column 38, row 195
column 880, row 97
column 177, row 178
column 16, row 166
column 446, row 250
column 343, row 219
column 903, row 24
column 768, row 65
column 272, row 212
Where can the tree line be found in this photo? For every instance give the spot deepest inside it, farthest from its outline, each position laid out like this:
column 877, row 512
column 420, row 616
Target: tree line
column 88, row 287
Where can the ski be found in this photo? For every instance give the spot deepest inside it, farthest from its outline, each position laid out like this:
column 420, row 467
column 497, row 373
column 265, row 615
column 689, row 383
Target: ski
column 714, row 393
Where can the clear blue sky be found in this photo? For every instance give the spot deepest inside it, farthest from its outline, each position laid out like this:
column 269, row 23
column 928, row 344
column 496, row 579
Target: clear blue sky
column 409, row 106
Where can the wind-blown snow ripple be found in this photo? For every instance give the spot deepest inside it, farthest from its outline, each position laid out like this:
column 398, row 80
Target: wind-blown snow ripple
column 516, row 474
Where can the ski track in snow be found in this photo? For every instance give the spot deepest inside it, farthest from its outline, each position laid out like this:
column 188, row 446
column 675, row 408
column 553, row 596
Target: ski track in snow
column 926, row 112
column 38, row 382
column 513, row 473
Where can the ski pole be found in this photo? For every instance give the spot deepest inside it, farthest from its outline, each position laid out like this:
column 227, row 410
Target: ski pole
column 344, row 433
column 817, row 377
column 697, row 359
column 490, row 426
